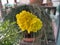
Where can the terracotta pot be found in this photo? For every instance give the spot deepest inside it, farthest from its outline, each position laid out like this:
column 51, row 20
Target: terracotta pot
column 39, row 2
column 28, row 39
column 32, row 1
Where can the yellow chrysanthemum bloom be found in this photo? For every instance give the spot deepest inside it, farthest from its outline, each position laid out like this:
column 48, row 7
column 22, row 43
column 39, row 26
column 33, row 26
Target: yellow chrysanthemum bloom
column 28, row 21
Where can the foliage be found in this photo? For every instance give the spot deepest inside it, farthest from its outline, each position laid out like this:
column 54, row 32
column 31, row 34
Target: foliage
column 9, row 33
column 12, row 15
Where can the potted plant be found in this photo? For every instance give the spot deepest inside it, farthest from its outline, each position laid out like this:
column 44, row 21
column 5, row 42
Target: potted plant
column 29, row 23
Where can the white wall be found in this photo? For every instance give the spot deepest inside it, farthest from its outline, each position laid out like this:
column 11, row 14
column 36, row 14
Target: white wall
column 56, row 4
column 18, row 0
column 44, row 1
column 56, row 0
column 24, row 2
column 11, row 1
column 4, row 2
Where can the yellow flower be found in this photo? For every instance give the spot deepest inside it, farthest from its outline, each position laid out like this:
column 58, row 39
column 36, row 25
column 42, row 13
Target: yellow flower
column 28, row 21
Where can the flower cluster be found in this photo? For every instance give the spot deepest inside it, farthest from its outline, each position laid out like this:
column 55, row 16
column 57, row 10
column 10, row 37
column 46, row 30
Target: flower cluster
column 28, row 21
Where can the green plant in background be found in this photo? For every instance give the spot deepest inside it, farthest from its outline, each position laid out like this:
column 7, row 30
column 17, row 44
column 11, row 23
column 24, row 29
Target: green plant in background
column 9, row 34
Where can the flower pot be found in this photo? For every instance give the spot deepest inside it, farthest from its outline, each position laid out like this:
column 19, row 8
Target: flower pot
column 36, row 2
column 28, row 37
